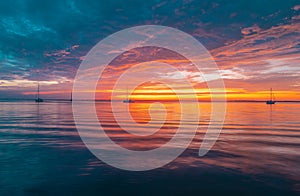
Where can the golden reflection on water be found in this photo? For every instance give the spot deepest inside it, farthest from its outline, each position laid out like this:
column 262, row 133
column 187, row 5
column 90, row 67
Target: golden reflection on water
column 255, row 138
column 147, row 116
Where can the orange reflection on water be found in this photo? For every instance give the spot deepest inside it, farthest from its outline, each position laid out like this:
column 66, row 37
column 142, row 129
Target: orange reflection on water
column 147, row 116
column 144, row 111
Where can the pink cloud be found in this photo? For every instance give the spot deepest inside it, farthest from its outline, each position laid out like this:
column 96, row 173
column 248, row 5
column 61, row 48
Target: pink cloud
column 296, row 7
column 251, row 30
column 74, row 47
column 296, row 17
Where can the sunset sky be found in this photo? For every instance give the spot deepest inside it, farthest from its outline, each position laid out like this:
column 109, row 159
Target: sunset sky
column 256, row 44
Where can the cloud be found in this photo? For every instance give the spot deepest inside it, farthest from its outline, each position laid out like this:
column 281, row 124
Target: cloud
column 296, row 17
column 23, row 27
column 252, row 51
column 232, row 74
column 24, row 83
column 296, row 7
column 251, row 30
column 268, row 58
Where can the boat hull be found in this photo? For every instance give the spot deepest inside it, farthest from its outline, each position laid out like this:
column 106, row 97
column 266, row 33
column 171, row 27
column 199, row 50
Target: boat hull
column 270, row 102
column 39, row 100
column 128, row 101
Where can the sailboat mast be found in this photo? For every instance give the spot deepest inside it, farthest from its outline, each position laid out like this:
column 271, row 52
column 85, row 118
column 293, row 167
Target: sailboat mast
column 38, row 91
column 272, row 98
column 271, row 94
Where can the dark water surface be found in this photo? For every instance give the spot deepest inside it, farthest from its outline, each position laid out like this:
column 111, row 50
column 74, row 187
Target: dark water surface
column 257, row 153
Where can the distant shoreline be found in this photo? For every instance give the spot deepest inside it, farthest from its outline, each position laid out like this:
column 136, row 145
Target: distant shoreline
column 138, row 101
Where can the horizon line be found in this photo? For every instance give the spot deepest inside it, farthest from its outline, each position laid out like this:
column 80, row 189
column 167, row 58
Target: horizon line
column 146, row 100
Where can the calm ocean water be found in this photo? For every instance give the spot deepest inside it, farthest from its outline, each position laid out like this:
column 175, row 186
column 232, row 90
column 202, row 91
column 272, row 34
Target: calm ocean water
column 258, row 152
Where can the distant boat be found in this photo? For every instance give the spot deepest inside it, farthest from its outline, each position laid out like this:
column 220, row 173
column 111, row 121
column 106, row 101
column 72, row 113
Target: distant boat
column 38, row 99
column 271, row 101
column 127, row 100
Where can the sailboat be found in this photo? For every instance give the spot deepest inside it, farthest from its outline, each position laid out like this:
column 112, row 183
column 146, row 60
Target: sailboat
column 127, row 100
column 38, row 99
column 271, row 101
column 71, row 96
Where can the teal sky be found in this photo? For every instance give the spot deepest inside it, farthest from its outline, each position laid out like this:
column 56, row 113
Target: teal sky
column 255, row 43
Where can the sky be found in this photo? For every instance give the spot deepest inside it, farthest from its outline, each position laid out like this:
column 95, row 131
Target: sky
column 256, row 44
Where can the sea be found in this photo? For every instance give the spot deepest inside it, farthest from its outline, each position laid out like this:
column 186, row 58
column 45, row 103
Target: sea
column 256, row 153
